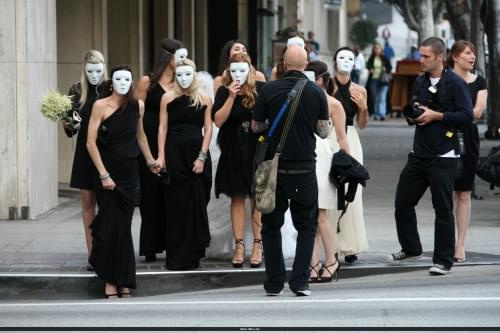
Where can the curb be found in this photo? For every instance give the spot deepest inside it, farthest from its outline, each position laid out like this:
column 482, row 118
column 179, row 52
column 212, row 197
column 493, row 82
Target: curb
column 64, row 286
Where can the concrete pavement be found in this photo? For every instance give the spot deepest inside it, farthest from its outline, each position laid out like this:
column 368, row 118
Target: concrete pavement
column 45, row 259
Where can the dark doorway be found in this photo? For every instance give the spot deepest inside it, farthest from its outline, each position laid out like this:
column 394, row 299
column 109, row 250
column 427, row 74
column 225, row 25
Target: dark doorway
column 222, row 27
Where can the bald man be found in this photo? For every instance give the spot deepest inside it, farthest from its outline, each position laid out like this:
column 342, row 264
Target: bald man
column 297, row 181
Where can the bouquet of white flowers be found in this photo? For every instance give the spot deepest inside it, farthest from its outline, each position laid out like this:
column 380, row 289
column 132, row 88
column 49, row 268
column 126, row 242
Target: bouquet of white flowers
column 56, row 106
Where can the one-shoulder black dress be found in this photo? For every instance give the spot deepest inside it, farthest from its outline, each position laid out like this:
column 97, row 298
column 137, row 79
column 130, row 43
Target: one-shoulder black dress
column 83, row 172
column 237, row 143
column 187, row 197
column 112, row 249
column 152, row 235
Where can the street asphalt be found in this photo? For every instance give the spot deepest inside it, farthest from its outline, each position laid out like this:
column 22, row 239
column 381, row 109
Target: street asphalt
column 45, row 259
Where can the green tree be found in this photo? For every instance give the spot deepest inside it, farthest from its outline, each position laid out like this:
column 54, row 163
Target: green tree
column 363, row 33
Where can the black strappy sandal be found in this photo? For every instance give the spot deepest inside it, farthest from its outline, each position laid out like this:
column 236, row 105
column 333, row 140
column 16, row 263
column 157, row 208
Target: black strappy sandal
column 332, row 274
column 317, row 278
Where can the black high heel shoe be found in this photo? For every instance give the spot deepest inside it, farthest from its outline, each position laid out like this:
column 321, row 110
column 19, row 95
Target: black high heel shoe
column 150, row 258
column 317, row 278
column 332, row 274
column 237, row 262
column 351, row 259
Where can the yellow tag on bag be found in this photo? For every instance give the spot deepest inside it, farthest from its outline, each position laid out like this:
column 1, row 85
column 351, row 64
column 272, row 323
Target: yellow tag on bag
column 449, row 134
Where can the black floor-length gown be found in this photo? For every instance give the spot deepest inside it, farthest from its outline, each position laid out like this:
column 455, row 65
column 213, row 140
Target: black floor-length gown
column 152, row 235
column 187, row 197
column 237, row 143
column 112, row 249
column 83, row 172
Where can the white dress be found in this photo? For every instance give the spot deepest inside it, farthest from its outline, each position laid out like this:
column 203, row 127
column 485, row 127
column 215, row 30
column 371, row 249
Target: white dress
column 352, row 237
column 327, row 192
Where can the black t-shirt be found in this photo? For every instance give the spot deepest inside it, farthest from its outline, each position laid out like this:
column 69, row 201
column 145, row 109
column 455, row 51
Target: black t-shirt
column 478, row 84
column 299, row 148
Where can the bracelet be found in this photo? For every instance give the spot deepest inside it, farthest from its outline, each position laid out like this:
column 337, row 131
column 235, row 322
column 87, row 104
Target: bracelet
column 105, row 176
column 202, row 156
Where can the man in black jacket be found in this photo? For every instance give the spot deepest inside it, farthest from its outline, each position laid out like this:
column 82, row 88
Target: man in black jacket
column 444, row 101
column 296, row 171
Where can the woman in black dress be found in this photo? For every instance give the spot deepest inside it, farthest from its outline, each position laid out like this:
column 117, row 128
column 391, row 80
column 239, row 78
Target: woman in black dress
column 150, row 90
column 115, row 136
column 83, row 94
column 232, row 113
column 183, row 151
column 461, row 60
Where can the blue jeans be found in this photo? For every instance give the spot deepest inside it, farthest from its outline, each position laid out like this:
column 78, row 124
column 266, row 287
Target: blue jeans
column 378, row 97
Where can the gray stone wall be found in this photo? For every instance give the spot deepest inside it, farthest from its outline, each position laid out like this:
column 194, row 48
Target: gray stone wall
column 28, row 146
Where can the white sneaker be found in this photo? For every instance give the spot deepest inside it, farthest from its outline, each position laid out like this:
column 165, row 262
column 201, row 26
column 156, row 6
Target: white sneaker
column 305, row 292
column 401, row 256
column 437, row 269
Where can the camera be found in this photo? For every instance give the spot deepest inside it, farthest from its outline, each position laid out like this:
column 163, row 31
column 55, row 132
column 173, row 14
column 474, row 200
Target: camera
column 412, row 112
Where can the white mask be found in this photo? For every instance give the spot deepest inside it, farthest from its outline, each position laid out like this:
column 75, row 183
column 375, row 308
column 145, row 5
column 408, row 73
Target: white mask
column 184, row 75
column 295, row 41
column 310, row 75
column 94, row 73
column 239, row 71
column 122, row 80
column 345, row 61
column 181, row 54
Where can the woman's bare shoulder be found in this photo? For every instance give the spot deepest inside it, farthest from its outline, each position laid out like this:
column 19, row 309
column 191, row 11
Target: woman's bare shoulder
column 358, row 87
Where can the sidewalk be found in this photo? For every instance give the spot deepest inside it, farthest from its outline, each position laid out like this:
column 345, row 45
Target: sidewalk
column 46, row 258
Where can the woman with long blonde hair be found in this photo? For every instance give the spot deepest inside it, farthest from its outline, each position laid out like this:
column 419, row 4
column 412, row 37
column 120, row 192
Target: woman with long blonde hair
column 183, row 139
column 232, row 113
column 83, row 94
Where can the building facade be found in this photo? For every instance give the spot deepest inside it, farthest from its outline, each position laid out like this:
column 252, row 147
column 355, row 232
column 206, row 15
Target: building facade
column 42, row 44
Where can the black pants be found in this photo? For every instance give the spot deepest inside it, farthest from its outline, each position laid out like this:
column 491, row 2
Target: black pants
column 418, row 174
column 302, row 191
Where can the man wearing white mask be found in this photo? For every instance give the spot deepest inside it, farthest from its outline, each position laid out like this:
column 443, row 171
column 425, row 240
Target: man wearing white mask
column 83, row 94
column 184, row 137
column 352, row 236
column 232, row 113
column 115, row 138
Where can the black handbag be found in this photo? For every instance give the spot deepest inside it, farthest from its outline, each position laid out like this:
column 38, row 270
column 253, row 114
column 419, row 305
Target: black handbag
column 488, row 167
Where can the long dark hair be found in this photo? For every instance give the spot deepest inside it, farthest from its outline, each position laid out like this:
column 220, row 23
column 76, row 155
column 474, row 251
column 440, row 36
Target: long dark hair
column 166, row 54
column 108, row 87
column 320, row 69
column 225, row 54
